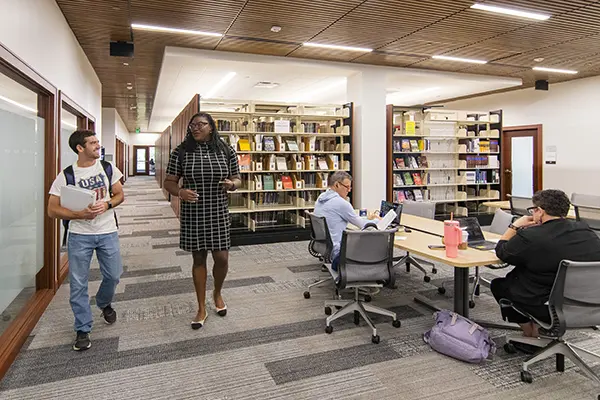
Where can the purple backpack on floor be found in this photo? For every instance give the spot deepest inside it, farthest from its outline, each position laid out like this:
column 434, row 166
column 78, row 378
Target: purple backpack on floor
column 460, row 338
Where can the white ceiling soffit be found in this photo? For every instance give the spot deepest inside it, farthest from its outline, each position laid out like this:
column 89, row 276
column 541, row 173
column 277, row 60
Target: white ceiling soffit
column 186, row 72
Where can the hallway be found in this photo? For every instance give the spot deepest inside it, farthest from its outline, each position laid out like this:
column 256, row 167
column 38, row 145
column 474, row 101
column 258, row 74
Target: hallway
column 271, row 344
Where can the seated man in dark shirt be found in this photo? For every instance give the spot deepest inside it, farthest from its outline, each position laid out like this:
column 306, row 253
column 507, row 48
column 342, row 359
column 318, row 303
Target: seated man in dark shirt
column 535, row 245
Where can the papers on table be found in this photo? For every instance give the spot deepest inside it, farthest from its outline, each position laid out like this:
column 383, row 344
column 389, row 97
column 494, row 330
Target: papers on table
column 75, row 198
column 384, row 222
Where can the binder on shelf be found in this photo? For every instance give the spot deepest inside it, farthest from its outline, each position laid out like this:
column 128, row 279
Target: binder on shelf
column 268, row 182
column 309, row 143
column 297, row 181
column 321, row 180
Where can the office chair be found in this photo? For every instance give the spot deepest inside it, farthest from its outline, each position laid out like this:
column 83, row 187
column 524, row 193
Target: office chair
column 587, row 209
column 320, row 245
column 366, row 259
column 519, row 205
column 423, row 209
column 574, row 303
column 499, row 225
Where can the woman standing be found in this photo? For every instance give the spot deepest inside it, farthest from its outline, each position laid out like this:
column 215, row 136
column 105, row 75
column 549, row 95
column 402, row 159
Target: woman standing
column 209, row 168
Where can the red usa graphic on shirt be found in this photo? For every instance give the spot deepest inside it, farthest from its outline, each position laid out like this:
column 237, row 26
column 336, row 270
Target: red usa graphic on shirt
column 96, row 183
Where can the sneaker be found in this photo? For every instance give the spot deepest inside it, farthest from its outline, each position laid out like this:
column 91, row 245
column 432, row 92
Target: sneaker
column 109, row 315
column 82, row 342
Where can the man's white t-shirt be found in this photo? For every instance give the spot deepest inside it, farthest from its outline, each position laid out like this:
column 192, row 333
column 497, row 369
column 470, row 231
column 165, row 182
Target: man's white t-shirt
column 92, row 178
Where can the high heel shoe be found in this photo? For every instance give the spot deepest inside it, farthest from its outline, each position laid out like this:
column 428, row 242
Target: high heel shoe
column 199, row 324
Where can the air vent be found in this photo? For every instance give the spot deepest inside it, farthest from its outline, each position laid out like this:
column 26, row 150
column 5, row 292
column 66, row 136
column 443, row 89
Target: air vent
column 266, row 85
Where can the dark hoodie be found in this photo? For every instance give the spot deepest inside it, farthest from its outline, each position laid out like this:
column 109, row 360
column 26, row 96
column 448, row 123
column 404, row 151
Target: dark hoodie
column 536, row 253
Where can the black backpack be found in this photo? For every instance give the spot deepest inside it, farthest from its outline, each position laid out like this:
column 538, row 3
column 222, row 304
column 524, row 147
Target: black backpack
column 70, row 178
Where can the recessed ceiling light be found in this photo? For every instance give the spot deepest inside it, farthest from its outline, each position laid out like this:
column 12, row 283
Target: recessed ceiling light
column 128, row 83
column 336, row 47
column 466, row 60
column 126, row 64
column 173, row 30
column 559, row 71
column 275, row 28
column 219, row 85
column 510, row 11
column 129, row 87
column 539, row 59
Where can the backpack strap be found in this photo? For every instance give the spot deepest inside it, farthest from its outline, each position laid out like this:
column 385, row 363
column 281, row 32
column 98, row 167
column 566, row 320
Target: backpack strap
column 70, row 178
column 109, row 174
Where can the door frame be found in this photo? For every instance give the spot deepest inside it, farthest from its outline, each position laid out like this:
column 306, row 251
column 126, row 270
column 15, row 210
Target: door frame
column 538, row 166
column 135, row 148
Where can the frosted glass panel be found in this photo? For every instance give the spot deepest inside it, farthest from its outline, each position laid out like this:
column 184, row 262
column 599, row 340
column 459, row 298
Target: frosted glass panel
column 21, row 198
column 68, row 125
column 522, row 166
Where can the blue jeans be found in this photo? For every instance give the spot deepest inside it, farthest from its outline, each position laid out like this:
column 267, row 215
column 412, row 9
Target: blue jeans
column 80, row 250
column 335, row 263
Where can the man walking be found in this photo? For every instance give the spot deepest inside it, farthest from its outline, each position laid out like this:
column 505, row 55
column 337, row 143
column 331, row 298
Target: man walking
column 94, row 228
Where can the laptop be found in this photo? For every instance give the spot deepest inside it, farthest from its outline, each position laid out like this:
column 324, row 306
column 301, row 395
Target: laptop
column 387, row 206
column 476, row 239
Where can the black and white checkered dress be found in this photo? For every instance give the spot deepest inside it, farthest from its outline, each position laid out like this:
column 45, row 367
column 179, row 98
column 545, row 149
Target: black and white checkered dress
column 205, row 225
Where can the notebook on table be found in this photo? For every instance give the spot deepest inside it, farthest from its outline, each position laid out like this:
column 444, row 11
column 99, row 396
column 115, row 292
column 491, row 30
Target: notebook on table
column 476, row 239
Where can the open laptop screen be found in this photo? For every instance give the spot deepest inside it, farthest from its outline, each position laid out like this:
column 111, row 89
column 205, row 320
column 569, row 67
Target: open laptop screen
column 473, row 228
column 387, row 206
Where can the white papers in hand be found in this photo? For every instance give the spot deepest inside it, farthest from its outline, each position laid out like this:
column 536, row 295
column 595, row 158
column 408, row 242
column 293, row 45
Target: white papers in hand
column 75, row 198
column 384, row 222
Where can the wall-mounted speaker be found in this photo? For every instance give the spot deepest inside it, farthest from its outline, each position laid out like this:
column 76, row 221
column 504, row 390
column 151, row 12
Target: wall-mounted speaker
column 121, row 49
column 541, row 85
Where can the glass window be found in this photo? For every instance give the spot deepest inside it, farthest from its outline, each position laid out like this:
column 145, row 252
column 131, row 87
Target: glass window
column 68, row 125
column 22, row 197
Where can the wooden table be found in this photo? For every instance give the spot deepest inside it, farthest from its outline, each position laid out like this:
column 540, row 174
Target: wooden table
column 505, row 205
column 417, row 242
column 432, row 226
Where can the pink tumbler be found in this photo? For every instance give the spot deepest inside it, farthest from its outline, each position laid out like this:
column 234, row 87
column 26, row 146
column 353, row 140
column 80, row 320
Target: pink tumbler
column 452, row 238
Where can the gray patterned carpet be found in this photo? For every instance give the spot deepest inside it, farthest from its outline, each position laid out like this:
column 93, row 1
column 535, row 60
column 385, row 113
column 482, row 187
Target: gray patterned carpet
column 271, row 345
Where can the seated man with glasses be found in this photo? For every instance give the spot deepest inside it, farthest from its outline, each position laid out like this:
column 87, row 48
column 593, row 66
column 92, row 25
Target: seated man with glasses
column 337, row 210
column 535, row 244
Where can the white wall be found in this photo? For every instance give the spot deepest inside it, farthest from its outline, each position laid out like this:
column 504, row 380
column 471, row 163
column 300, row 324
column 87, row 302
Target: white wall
column 140, row 139
column 568, row 113
column 37, row 32
column 108, row 131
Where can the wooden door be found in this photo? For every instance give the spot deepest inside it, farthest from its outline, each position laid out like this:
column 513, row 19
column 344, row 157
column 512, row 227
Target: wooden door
column 141, row 158
column 521, row 156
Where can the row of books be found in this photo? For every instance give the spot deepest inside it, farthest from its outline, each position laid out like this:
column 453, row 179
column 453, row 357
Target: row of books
column 272, row 162
column 414, row 195
column 410, row 162
column 482, row 146
column 482, row 161
column 407, row 179
column 433, row 145
column 482, row 176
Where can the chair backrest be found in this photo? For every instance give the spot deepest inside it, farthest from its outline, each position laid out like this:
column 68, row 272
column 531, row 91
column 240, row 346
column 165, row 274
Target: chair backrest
column 320, row 235
column 425, row 209
column 589, row 215
column 367, row 256
column 519, row 205
column 500, row 222
column 585, row 200
column 575, row 298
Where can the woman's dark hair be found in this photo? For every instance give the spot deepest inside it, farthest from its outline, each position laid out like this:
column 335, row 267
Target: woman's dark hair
column 77, row 138
column 215, row 142
column 554, row 202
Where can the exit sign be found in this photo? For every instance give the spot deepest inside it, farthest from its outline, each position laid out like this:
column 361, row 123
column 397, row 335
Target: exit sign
column 137, row 130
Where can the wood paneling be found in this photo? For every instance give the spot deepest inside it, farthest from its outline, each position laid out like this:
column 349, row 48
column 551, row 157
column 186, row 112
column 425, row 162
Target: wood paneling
column 398, row 29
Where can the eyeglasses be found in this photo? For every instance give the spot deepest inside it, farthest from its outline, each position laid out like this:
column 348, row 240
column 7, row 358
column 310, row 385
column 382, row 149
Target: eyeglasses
column 200, row 124
column 349, row 188
column 530, row 210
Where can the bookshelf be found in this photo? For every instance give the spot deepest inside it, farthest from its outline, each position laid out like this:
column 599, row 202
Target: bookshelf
column 285, row 152
column 448, row 157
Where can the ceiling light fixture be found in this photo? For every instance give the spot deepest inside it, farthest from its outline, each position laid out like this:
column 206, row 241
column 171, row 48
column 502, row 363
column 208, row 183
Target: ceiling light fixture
column 467, row 60
column 14, row 103
column 336, row 47
column 266, row 85
column 173, row 30
column 276, row 29
column 559, row 71
column 126, row 64
column 539, row 59
column 129, row 87
column 219, row 85
column 510, row 11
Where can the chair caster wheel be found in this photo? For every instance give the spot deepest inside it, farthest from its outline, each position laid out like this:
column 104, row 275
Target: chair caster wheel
column 396, row 323
column 356, row 318
column 368, row 298
column 509, row 348
column 427, row 279
column 375, row 339
column 328, row 329
column 327, row 310
column 434, row 271
column 442, row 290
column 526, row 377
column 471, row 304
column 307, row 295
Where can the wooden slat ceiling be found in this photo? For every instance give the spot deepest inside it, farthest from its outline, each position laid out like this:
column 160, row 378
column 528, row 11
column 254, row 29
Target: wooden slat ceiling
column 401, row 32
